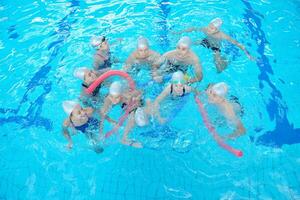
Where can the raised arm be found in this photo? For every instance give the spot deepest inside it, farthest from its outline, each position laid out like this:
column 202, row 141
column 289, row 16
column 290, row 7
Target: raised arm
column 198, row 70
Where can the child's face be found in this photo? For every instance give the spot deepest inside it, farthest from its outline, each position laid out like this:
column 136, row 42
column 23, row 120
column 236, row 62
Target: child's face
column 143, row 52
column 212, row 29
column 182, row 51
column 115, row 99
column 79, row 113
column 209, row 91
column 212, row 96
column 178, row 87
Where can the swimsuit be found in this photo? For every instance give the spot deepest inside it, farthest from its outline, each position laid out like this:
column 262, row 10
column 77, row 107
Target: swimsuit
column 206, row 43
column 171, row 67
column 234, row 99
column 92, row 122
column 107, row 61
column 124, row 106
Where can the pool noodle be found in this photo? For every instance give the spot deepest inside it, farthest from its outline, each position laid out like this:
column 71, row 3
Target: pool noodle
column 99, row 80
column 213, row 132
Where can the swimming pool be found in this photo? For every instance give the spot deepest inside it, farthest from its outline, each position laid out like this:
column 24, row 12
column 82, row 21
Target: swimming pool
column 43, row 41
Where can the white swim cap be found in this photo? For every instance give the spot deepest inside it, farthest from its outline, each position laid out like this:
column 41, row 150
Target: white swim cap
column 115, row 88
column 69, row 106
column 140, row 117
column 217, row 22
column 220, row 89
column 79, row 72
column 96, row 40
column 142, row 43
column 178, row 77
column 185, row 41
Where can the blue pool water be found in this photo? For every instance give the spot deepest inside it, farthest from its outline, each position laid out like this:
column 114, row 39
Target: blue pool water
column 42, row 42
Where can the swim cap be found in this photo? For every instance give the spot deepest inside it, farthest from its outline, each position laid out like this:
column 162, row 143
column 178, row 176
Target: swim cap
column 140, row 117
column 96, row 41
column 217, row 22
column 115, row 88
column 178, row 77
column 142, row 43
column 185, row 41
column 79, row 72
column 220, row 89
column 69, row 106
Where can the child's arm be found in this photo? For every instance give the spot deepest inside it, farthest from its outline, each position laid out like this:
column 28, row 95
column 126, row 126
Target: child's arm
column 66, row 133
column 239, row 45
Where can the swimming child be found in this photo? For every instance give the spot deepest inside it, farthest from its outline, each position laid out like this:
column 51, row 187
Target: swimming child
column 213, row 40
column 88, row 76
column 176, row 90
column 181, row 59
column 143, row 56
column 217, row 95
column 80, row 120
column 118, row 96
column 102, row 57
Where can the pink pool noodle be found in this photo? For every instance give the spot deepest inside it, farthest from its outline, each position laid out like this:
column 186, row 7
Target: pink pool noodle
column 213, row 132
column 99, row 80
